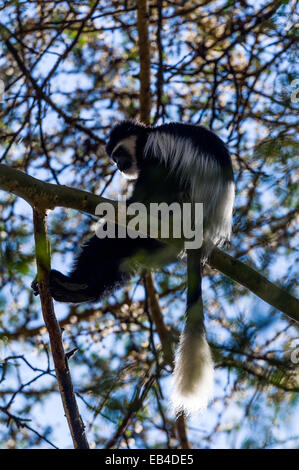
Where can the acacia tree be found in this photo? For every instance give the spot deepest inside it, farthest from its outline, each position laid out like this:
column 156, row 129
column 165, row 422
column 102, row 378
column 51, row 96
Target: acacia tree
column 70, row 70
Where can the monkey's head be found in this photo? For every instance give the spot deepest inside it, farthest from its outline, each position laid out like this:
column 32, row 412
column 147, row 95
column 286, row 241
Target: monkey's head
column 122, row 146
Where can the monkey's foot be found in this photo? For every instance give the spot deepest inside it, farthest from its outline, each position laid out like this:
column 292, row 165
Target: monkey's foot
column 34, row 287
column 65, row 289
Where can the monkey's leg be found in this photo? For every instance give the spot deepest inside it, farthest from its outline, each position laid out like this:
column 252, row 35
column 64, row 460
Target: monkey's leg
column 102, row 265
column 97, row 270
column 65, row 289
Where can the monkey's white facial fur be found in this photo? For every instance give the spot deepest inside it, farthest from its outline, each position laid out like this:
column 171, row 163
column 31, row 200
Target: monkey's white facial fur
column 124, row 156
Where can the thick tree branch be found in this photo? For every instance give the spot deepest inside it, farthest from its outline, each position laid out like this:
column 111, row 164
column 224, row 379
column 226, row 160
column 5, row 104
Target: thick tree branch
column 256, row 283
column 49, row 196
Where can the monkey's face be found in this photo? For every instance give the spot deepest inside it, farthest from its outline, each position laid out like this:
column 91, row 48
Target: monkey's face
column 124, row 156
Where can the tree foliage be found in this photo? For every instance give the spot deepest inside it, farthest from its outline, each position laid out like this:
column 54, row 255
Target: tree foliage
column 71, row 69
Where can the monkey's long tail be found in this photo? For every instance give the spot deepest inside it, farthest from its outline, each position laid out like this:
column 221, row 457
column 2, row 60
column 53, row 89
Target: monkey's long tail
column 193, row 373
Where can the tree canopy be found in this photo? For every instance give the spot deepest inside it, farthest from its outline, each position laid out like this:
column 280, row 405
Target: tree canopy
column 70, row 70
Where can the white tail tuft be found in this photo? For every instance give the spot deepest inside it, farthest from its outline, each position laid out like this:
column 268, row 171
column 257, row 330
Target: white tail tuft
column 193, row 375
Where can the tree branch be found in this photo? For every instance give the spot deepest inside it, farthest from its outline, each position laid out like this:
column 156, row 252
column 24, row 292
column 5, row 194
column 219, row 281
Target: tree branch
column 73, row 122
column 157, row 317
column 144, row 58
column 63, row 375
column 48, row 196
column 255, row 282
column 145, row 116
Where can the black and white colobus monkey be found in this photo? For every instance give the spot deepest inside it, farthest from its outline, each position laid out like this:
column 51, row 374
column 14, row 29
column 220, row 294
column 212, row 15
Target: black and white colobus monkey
column 169, row 163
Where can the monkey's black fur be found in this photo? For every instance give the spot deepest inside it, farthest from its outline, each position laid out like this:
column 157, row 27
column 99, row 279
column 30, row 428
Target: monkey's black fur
column 170, row 163
column 104, row 263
